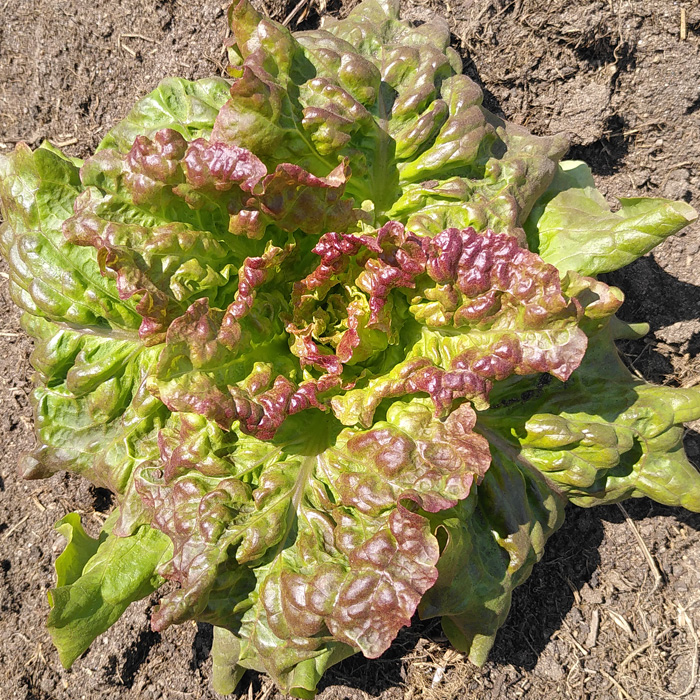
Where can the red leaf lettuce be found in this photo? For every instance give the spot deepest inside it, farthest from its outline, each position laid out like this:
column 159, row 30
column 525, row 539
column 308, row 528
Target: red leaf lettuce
column 331, row 333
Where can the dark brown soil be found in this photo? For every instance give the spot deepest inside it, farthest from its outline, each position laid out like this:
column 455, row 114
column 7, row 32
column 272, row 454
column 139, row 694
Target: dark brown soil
column 589, row 623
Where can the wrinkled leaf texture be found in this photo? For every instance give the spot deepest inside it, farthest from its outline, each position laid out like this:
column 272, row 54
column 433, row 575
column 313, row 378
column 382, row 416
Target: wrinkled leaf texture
column 330, row 332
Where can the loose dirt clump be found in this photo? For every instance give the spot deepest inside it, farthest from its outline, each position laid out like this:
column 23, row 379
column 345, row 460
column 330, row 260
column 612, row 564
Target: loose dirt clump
column 593, row 621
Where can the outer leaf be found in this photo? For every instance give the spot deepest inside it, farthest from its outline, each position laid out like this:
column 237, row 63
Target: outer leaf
column 384, row 96
column 49, row 277
column 604, row 436
column 120, row 571
column 162, row 265
column 90, row 363
column 290, row 196
column 493, row 539
column 261, row 116
column 574, row 228
column 188, row 107
column 79, row 549
column 225, row 650
column 93, row 414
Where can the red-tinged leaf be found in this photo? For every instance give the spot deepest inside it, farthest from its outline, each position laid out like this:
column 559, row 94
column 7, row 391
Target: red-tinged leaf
column 329, row 536
column 232, row 371
column 346, row 231
column 221, row 166
column 481, row 277
column 150, row 166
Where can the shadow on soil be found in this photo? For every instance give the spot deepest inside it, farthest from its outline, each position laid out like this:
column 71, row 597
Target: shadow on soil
column 124, row 671
column 678, row 301
column 571, row 560
column 201, row 645
column 653, row 295
column 606, row 155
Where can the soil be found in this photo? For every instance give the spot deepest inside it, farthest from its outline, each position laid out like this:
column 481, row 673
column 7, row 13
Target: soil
column 619, row 78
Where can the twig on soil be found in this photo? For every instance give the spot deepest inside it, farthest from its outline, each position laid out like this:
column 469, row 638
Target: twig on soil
column 592, row 637
column 684, row 619
column 637, row 128
column 649, row 643
column 33, row 138
column 616, row 684
column 569, row 637
column 68, row 142
column 684, row 25
column 496, row 15
column 574, row 591
column 38, row 654
column 128, row 49
column 621, row 622
column 294, row 12
column 673, row 168
column 139, row 36
column 217, row 63
column 38, row 504
column 658, row 577
column 100, row 517
column 122, row 45
column 15, row 526
column 573, row 670
column 267, row 691
column 94, row 106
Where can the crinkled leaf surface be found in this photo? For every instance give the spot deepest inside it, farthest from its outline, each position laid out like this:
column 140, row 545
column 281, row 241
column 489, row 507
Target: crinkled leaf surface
column 603, row 435
column 188, row 107
column 492, row 541
column 326, row 546
column 329, row 331
column 49, row 277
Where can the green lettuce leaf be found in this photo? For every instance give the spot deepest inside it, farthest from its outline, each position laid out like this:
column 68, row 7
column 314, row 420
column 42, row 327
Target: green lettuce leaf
column 492, row 541
column 97, row 580
column 188, row 107
column 49, row 278
column 573, row 228
column 92, row 412
column 603, row 435
column 306, row 554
